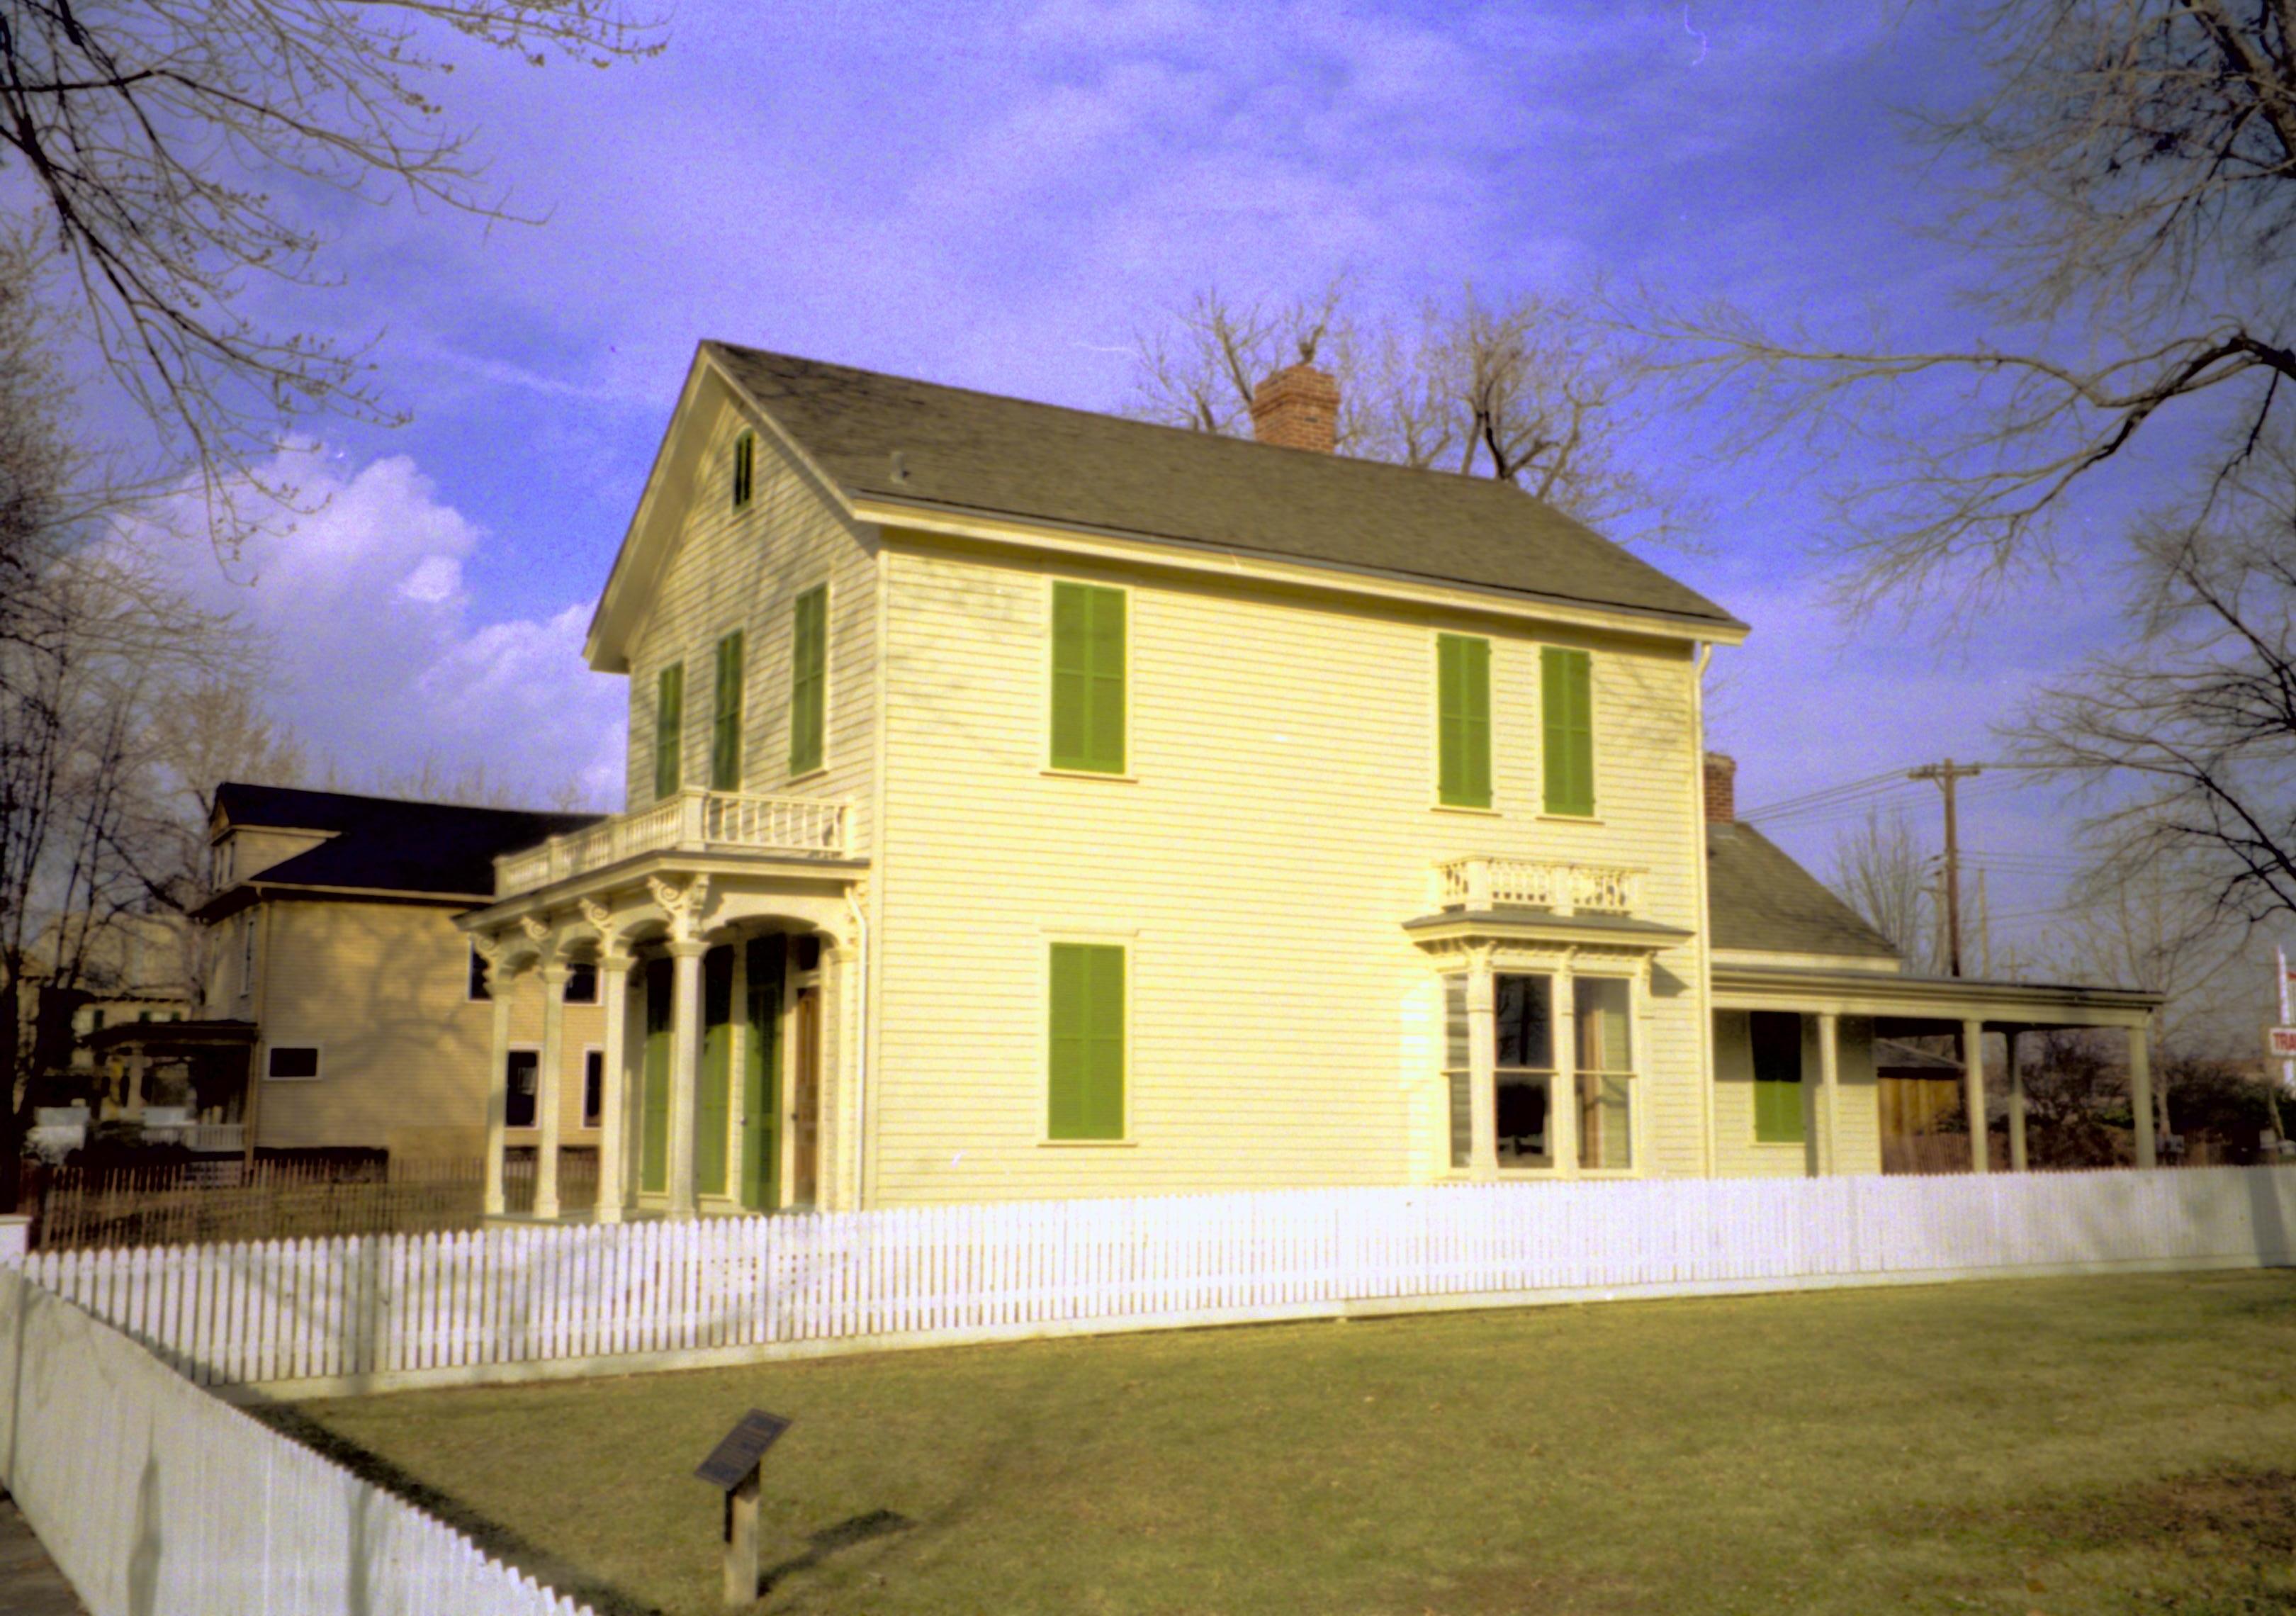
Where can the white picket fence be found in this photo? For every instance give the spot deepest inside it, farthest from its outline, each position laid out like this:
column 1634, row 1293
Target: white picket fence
column 374, row 1311
column 152, row 1496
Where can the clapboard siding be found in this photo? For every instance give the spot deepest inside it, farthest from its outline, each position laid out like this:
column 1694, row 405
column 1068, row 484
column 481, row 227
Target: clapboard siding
column 382, row 989
column 1738, row 1153
column 1277, row 830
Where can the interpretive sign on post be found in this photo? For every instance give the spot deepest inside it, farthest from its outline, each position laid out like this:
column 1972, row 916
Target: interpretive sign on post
column 731, row 1467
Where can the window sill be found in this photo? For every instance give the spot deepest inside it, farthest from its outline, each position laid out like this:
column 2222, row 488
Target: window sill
column 1087, row 1145
column 809, row 776
column 1569, row 819
column 1461, row 808
column 1087, row 774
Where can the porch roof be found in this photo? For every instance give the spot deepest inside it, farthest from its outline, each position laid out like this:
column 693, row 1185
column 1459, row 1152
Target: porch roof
column 171, row 1034
column 1936, row 1000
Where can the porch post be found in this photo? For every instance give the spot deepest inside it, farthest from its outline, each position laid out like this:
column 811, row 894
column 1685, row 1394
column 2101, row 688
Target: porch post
column 2140, row 1092
column 1563, row 1104
column 2016, row 1102
column 684, row 1069
column 501, row 984
column 1483, row 1069
column 547, row 1085
column 1973, row 1091
column 614, row 988
column 1829, row 1092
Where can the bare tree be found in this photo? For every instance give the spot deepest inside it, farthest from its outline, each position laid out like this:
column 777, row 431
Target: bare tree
column 1881, row 871
column 2136, row 208
column 1535, row 391
column 164, row 139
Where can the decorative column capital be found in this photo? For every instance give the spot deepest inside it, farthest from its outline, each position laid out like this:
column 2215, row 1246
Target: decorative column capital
column 683, row 905
column 687, row 947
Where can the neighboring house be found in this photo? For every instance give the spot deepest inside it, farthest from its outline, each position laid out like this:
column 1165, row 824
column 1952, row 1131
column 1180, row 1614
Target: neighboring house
column 347, row 1011
column 1029, row 802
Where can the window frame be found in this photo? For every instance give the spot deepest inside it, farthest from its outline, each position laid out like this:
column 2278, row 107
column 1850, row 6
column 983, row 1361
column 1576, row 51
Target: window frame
column 801, row 766
column 319, row 1049
column 566, row 989
column 668, row 738
column 1630, row 1074
column 744, row 468
column 1441, row 726
column 594, row 1117
column 1082, row 765
column 1124, row 952
column 510, row 1052
column 1552, row 1071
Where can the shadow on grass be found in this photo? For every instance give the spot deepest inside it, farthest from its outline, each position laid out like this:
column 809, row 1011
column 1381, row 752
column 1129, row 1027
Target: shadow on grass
column 831, row 1540
column 488, row 1533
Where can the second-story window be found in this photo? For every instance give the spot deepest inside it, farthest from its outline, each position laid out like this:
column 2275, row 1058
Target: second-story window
column 808, row 678
column 1463, row 701
column 725, row 717
column 1089, row 662
column 668, row 729
column 745, row 464
column 1567, row 704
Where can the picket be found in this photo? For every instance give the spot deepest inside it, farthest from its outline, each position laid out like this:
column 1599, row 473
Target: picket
column 366, row 1304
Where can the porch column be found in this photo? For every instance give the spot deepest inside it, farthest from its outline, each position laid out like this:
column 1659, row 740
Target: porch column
column 2140, row 1092
column 685, row 1032
column 547, row 1085
column 1482, row 1069
column 2016, row 1102
column 1563, row 1104
column 1829, row 1092
column 614, row 988
column 1972, row 1094
column 501, row 984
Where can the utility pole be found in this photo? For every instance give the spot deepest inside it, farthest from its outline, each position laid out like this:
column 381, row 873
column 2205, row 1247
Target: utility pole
column 1946, row 774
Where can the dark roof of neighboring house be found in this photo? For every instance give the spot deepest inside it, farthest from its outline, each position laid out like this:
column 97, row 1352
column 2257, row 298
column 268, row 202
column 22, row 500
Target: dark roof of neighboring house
column 386, row 844
column 978, row 452
column 1757, row 897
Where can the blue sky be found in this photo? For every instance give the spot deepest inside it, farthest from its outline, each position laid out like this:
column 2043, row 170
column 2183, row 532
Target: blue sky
column 998, row 195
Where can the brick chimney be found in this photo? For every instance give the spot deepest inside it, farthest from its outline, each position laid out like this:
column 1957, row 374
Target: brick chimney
column 1721, row 788
column 1297, row 408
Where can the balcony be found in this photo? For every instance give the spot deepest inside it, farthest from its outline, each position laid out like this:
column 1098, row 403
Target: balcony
column 694, row 821
column 1553, row 885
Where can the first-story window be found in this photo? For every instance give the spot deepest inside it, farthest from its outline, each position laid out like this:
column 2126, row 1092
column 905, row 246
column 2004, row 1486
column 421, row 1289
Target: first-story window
column 524, row 1072
column 1522, row 1076
column 581, row 983
column 1777, row 1038
column 291, row 1062
column 594, row 1087
column 1604, row 1006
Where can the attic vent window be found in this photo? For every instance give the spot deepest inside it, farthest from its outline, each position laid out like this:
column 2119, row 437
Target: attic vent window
column 745, row 462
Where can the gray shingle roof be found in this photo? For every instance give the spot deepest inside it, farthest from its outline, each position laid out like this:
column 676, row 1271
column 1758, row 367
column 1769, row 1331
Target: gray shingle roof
column 982, row 452
column 385, row 844
column 1757, row 897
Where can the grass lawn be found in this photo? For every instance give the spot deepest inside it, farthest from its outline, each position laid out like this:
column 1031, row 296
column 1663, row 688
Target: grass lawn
column 2054, row 1446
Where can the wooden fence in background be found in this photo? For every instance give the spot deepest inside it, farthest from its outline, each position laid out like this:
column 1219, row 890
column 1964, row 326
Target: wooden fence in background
column 376, row 1311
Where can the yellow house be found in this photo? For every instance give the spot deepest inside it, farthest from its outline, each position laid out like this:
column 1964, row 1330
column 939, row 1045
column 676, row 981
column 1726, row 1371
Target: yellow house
column 347, row 1009
column 1029, row 802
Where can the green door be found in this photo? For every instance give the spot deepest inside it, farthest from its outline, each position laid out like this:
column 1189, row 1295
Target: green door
column 653, row 1140
column 761, row 1089
column 713, row 1107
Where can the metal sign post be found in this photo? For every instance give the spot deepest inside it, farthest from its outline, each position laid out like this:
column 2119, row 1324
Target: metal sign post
column 733, row 1467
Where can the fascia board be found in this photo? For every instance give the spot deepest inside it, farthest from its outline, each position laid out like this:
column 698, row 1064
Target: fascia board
column 1189, row 556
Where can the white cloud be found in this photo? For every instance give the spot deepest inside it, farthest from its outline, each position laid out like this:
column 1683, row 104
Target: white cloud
column 381, row 659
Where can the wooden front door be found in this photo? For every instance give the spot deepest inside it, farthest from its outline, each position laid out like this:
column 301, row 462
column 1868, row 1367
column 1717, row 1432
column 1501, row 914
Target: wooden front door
column 804, row 1098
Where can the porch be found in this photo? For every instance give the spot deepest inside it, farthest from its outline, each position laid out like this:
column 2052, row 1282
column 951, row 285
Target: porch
column 1893, row 1006
column 721, row 929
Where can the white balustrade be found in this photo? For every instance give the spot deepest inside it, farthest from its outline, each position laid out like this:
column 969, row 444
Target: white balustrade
column 694, row 821
column 1556, row 885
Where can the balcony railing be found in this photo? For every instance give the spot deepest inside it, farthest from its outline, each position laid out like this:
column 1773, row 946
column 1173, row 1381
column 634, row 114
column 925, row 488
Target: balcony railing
column 1558, row 886
column 694, row 821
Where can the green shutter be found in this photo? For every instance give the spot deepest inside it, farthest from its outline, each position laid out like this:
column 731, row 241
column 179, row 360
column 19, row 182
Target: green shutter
column 1089, row 678
column 668, row 730
column 808, row 678
column 725, row 717
column 713, row 1107
column 761, row 1155
column 1087, row 1085
column 1463, row 681
column 1773, row 1041
column 653, row 1134
column 1567, row 704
